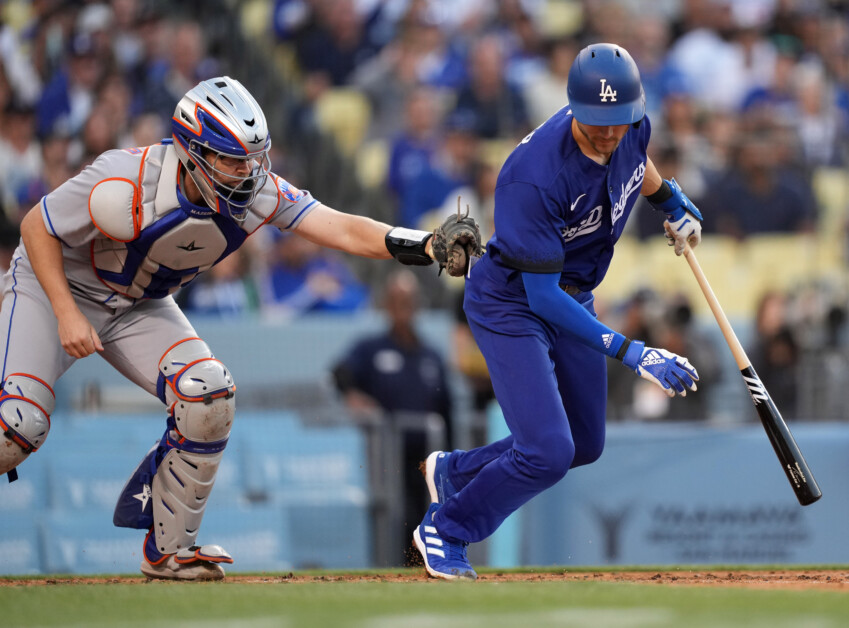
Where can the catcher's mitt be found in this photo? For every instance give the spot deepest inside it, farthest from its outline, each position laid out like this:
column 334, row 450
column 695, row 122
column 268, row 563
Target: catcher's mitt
column 455, row 241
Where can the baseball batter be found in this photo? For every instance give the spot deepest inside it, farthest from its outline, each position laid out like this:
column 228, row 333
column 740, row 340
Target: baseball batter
column 101, row 256
column 561, row 202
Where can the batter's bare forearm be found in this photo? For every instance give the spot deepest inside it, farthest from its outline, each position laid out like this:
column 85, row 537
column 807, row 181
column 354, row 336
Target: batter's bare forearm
column 45, row 255
column 652, row 179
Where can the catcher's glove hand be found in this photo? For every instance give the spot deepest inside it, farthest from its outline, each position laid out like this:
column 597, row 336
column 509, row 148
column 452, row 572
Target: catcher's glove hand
column 455, row 241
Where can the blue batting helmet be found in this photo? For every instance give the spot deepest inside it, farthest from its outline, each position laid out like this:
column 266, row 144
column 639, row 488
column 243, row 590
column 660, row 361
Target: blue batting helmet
column 604, row 87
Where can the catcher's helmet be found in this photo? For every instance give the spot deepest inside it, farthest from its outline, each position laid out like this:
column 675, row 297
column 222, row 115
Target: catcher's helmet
column 219, row 118
column 604, row 87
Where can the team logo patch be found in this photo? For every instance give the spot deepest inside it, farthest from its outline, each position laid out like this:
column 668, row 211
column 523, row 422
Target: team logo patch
column 289, row 192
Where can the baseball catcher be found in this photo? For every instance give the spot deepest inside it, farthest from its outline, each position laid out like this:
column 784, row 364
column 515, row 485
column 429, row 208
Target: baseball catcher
column 99, row 260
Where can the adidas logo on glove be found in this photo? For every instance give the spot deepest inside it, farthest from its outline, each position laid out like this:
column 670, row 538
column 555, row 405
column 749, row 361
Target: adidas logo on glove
column 651, row 358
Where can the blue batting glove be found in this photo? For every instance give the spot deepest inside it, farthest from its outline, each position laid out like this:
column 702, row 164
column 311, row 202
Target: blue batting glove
column 671, row 372
column 677, row 205
column 683, row 219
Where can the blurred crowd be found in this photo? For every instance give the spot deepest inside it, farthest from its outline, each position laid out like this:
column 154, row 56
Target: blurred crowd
column 748, row 101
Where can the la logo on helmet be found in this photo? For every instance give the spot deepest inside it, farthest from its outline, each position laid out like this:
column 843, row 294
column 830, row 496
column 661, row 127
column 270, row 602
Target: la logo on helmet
column 607, row 91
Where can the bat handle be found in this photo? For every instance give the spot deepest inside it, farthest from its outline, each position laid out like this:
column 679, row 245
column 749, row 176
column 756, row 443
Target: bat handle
column 725, row 327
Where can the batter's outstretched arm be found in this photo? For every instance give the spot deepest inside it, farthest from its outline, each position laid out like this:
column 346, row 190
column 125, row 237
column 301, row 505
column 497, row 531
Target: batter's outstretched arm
column 44, row 250
column 673, row 373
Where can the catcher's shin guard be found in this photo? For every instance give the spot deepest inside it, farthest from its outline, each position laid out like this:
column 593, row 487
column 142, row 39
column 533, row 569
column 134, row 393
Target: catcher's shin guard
column 26, row 404
column 169, row 489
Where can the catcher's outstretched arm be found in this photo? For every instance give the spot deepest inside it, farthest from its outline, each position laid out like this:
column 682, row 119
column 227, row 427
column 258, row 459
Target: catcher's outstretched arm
column 350, row 233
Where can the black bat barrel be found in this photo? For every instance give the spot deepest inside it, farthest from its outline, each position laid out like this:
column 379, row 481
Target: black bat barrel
column 798, row 473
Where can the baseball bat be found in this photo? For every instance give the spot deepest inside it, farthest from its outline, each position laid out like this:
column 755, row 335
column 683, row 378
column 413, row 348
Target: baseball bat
column 798, row 473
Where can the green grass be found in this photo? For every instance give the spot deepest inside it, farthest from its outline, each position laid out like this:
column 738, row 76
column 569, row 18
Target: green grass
column 415, row 604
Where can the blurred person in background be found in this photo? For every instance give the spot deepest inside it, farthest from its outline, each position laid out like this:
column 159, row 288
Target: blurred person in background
column 303, row 277
column 334, row 41
column 449, row 171
column 18, row 73
column 544, row 95
column 397, row 373
column 648, row 40
column 228, row 290
column 69, row 95
column 637, row 316
column 20, row 157
column 144, row 130
column 775, row 349
column 404, row 68
column 413, row 148
column 516, row 26
column 498, row 107
column 718, row 65
column 680, row 332
column 756, row 196
column 823, row 129
column 186, row 63
column 98, row 135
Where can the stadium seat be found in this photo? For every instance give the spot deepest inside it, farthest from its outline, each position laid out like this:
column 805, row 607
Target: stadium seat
column 372, row 163
column 345, row 114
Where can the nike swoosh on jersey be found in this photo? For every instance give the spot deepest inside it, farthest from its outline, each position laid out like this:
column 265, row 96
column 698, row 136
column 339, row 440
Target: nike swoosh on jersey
column 572, row 208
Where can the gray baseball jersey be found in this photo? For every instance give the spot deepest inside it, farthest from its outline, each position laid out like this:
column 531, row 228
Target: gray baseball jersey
column 130, row 239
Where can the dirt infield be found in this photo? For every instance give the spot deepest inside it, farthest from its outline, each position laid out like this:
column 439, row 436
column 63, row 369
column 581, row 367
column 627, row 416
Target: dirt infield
column 821, row 579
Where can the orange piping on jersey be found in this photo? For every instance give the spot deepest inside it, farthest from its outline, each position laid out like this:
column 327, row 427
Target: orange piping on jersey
column 132, row 210
column 138, row 211
column 274, row 179
column 39, row 380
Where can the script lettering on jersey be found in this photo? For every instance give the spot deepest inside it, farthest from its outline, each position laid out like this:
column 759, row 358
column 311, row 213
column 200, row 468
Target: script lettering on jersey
column 634, row 183
column 590, row 223
column 607, row 91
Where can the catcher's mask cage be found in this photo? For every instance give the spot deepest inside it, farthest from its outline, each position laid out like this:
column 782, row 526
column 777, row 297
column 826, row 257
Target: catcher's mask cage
column 604, row 87
column 219, row 118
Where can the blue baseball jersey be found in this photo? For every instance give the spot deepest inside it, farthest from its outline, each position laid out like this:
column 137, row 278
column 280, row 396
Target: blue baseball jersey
column 556, row 210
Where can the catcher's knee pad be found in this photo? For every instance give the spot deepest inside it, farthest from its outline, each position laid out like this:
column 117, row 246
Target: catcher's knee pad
column 198, row 390
column 169, row 489
column 26, row 404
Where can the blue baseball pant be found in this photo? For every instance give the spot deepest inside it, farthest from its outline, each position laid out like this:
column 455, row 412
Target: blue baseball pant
column 553, row 393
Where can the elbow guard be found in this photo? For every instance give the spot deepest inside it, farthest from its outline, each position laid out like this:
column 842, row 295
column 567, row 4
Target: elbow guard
column 408, row 246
